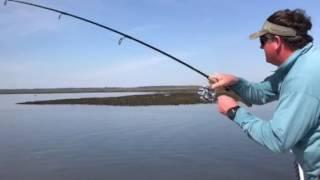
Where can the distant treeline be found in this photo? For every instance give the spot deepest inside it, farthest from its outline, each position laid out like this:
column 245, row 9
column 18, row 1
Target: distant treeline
column 105, row 89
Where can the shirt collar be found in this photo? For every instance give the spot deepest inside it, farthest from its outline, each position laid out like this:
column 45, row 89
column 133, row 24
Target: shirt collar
column 285, row 67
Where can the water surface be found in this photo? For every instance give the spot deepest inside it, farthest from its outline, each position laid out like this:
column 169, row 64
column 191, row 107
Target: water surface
column 87, row 142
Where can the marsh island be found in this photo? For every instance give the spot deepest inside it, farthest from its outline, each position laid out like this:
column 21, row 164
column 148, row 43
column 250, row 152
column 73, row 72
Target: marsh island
column 175, row 98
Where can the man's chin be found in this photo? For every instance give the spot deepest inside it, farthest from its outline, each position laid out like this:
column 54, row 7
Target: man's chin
column 268, row 61
column 271, row 62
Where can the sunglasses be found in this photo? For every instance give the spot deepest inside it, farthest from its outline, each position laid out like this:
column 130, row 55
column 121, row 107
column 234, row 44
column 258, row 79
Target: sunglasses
column 264, row 39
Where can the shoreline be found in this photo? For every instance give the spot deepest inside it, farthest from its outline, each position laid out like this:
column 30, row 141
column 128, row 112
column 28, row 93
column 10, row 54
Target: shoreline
column 170, row 98
column 189, row 88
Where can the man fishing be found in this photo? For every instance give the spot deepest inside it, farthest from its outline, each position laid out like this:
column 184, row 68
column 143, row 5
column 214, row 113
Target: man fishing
column 295, row 124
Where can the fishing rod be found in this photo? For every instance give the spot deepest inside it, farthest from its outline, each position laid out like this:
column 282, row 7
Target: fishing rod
column 124, row 35
column 205, row 93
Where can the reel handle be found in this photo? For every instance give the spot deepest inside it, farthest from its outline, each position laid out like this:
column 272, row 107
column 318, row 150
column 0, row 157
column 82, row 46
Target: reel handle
column 226, row 91
column 209, row 95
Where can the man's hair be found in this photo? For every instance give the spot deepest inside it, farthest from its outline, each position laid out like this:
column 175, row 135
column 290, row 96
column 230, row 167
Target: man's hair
column 299, row 21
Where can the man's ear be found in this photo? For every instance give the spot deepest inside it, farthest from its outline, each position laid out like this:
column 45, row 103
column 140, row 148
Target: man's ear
column 277, row 43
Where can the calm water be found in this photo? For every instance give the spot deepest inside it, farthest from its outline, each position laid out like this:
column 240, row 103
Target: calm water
column 82, row 142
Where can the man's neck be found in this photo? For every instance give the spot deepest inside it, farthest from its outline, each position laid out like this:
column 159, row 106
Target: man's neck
column 285, row 54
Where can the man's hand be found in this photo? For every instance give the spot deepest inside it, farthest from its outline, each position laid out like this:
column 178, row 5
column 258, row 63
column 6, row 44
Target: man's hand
column 225, row 103
column 222, row 80
column 219, row 83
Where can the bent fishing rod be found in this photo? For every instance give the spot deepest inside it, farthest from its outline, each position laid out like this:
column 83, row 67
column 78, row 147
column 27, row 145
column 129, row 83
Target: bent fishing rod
column 205, row 93
column 124, row 35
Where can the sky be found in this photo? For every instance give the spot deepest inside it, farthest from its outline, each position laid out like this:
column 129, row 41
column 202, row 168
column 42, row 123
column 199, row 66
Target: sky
column 37, row 50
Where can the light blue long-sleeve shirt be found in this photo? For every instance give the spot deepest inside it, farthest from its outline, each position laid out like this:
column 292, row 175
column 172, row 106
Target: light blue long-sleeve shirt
column 296, row 121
